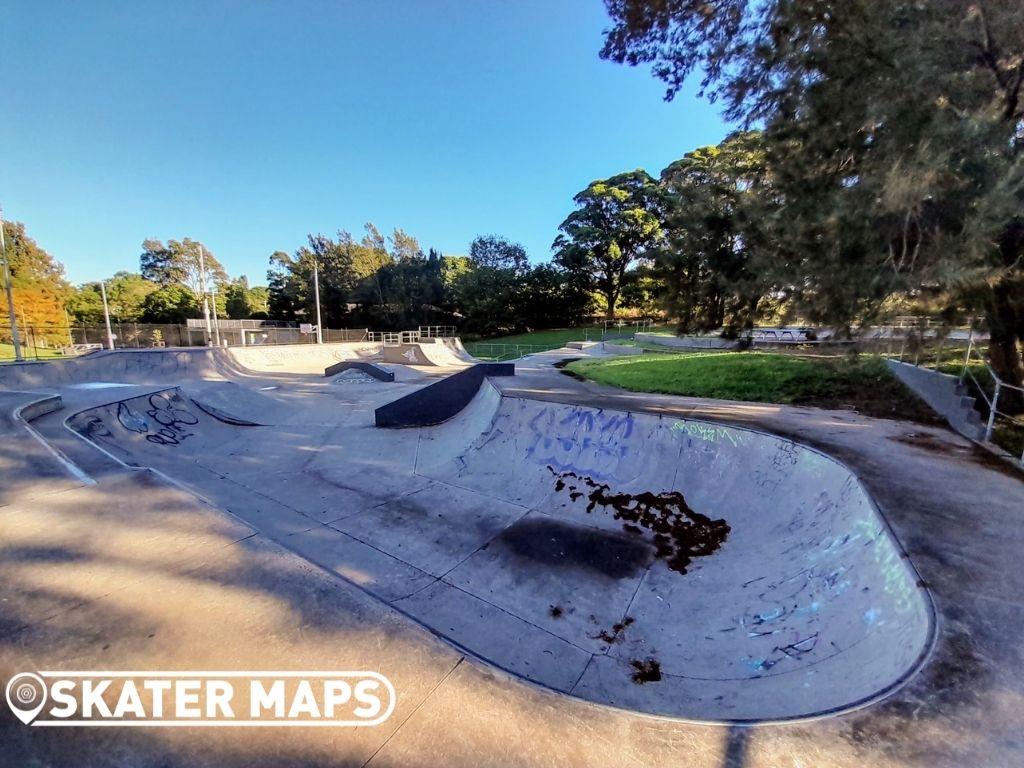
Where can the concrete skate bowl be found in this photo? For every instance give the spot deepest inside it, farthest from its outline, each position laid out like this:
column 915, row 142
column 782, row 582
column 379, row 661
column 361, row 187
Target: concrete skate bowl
column 665, row 566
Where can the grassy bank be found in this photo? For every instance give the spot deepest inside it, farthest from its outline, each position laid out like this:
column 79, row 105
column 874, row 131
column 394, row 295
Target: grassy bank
column 862, row 384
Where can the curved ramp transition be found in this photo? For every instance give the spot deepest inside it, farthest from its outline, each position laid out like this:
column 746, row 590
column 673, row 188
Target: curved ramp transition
column 667, row 566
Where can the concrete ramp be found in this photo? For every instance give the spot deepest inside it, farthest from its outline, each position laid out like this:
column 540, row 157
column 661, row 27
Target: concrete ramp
column 303, row 358
column 427, row 352
column 454, row 344
column 730, row 574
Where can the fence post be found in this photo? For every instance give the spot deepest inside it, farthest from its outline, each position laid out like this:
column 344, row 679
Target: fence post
column 938, row 355
column 992, row 413
column 967, row 357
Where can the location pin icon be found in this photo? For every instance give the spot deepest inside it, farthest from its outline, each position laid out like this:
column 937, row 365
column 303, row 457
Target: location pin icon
column 26, row 695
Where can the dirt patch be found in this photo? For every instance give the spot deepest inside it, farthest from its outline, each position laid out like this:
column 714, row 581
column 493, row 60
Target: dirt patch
column 930, row 442
column 646, row 671
column 974, row 452
column 1006, row 466
column 558, row 544
column 680, row 533
column 555, row 611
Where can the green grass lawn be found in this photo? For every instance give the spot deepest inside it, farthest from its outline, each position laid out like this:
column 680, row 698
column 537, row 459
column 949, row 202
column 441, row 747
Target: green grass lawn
column 29, row 353
column 554, row 338
column 863, row 384
column 557, row 337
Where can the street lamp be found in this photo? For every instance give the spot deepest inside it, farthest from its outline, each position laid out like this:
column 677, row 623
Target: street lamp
column 216, row 320
column 202, row 290
column 106, row 315
column 10, row 295
column 316, row 294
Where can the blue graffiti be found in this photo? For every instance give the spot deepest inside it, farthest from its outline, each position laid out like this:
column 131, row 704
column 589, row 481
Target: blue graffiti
column 584, row 441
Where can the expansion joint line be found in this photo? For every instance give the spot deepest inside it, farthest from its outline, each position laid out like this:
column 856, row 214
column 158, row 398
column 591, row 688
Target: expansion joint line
column 416, row 709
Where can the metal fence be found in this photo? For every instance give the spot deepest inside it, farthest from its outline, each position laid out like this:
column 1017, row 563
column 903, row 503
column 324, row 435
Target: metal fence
column 498, row 352
column 44, row 342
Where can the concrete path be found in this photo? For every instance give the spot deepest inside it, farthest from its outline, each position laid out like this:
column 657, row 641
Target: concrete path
column 958, row 518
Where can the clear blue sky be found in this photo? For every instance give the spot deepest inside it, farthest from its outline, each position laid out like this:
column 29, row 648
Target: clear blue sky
column 248, row 125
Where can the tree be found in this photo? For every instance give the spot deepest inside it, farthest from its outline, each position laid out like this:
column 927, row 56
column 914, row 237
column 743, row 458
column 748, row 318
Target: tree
column 179, row 262
column 126, row 295
column 291, row 290
column 711, row 260
column 170, row 304
column 893, row 131
column 85, row 304
column 495, row 252
column 39, row 287
column 617, row 222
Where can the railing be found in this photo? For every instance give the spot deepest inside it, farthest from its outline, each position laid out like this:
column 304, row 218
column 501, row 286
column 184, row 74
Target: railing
column 384, row 337
column 438, row 331
column 498, row 352
column 991, row 400
column 40, row 342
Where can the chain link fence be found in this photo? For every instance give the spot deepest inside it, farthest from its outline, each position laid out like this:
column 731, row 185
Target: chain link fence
column 42, row 342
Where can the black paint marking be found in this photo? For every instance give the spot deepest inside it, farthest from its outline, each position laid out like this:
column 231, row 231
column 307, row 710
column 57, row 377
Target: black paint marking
column 554, row 543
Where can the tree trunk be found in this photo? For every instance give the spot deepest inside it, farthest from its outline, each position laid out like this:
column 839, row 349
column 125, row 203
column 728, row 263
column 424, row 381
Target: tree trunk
column 611, row 297
column 1006, row 322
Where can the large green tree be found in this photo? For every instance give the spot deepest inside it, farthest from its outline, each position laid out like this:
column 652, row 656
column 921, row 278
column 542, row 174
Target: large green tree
column 894, row 130
column 616, row 223
column 126, row 296
column 180, row 263
column 712, row 261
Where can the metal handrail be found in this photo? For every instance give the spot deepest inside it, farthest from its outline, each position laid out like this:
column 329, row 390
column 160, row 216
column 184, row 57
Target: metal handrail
column 993, row 401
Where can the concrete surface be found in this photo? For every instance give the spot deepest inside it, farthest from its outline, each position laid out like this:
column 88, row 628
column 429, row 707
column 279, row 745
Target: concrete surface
column 958, row 518
column 944, row 394
column 686, row 342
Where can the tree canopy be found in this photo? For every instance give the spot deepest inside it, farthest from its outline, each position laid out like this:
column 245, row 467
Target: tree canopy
column 616, row 223
column 893, row 133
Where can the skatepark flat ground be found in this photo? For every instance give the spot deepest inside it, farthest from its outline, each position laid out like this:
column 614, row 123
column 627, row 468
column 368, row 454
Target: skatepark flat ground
column 84, row 560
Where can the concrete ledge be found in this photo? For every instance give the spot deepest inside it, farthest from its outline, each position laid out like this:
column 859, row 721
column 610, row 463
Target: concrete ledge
column 368, row 368
column 46, row 404
column 687, row 342
column 943, row 393
column 441, row 400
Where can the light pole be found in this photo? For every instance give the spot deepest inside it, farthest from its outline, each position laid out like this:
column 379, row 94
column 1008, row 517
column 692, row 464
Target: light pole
column 202, row 290
column 106, row 315
column 10, row 295
column 316, row 294
column 216, row 321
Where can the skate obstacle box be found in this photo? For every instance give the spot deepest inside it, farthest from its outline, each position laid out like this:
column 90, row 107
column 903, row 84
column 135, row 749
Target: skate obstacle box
column 441, row 400
column 368, row 368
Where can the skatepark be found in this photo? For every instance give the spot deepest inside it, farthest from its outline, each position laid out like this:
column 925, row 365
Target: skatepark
column 556, row 556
